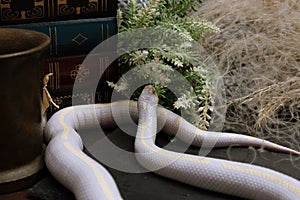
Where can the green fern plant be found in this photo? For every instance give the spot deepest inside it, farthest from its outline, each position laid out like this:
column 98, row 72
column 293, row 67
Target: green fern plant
column 169, row 17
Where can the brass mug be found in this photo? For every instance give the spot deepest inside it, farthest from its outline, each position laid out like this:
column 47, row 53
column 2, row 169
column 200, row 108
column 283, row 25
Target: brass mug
column 22, row 55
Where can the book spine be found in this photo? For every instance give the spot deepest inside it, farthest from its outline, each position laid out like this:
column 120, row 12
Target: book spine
column 74, row 37
column 30, row 11
column 67, row 98
column 67, row 70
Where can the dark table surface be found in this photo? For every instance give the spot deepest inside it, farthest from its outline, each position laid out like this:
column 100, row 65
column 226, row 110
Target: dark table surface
column 148, row 186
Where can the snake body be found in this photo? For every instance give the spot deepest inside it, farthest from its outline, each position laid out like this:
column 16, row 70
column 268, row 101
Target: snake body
column 239, row 179
column 88, row 180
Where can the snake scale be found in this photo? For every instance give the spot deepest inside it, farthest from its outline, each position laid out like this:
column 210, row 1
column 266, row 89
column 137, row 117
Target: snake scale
column 88, row 180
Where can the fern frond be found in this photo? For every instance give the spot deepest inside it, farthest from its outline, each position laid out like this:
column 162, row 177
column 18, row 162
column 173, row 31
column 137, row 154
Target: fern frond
column 172, row 39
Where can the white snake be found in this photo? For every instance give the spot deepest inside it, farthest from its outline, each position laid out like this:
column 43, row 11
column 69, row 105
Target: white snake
column 88, row 180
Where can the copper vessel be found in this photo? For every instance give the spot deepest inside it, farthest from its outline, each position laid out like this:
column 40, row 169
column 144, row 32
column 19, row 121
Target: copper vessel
column 22, row 54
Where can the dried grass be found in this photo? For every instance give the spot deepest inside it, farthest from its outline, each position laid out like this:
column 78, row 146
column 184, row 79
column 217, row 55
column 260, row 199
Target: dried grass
column 258, row 53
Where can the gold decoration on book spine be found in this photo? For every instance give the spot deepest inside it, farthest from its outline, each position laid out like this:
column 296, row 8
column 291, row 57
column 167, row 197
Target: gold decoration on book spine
column 80, row 39
column 35, row 12
column 85, row 97
column 81, row 73
column 9, row 12
column 91, row 7
column 63, row 8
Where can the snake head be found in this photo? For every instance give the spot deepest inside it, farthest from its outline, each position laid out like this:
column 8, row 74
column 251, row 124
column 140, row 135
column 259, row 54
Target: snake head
column 149, row 95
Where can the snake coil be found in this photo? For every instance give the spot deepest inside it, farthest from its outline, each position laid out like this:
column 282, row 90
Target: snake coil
column 88, row 180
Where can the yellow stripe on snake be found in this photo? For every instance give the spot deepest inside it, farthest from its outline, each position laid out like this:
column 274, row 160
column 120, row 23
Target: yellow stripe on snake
column 88, row 180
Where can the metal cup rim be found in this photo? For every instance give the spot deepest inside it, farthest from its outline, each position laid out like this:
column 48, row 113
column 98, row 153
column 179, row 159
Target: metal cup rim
column 44, row 44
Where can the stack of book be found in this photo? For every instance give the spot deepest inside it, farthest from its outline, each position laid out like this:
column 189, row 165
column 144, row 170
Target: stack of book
column 75, row 29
